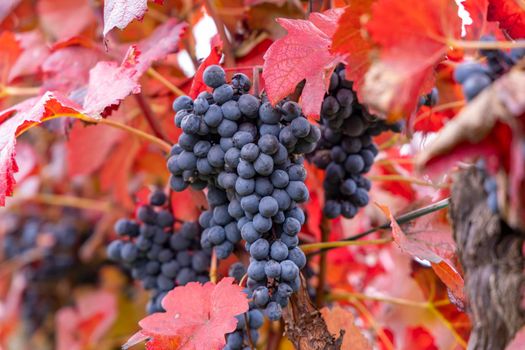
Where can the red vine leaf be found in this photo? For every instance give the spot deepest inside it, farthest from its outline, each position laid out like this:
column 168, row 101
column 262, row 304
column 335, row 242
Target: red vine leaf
column 163, row 41
column 348, row 39
column 511, row 16
column 34, row 53
column 120, row 13
column 10, row 52
column 65, row 18
column 197, row 86
column 432, row 242
column 15, row 120
column 302, row 55
column 89, row 147
column 405, row 69
column 197, row 317
column 84, row 325
column 110, row 83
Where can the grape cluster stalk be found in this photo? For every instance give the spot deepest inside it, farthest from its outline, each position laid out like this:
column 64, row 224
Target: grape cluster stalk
column 249, row 156
column 157, row 255
column 346, row 150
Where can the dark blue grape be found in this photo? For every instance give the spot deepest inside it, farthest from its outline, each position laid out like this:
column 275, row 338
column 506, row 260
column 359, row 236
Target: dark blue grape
column 214, row 76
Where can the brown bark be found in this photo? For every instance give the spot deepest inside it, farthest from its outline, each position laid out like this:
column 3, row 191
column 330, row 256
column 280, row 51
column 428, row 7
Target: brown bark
column 304, row 325
column 491, row 255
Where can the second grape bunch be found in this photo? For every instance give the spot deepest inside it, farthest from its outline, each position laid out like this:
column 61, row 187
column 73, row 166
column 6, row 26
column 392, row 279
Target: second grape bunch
column 249, row 155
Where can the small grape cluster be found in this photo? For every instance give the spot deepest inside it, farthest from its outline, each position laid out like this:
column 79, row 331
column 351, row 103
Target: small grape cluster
column 346, row 149
column 476, row 76
column 239, row 339
column 59, row 241
column 158, row 256
column 249, row 154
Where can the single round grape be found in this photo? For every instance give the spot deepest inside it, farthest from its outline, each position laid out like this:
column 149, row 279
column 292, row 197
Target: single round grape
column 280, row 178
column 360, row 197
column 232, row 157
column 330, row 106
column 216, row 156
column 348, row 187
column 241, row 81
column 233, row 234
column 245, row 169
column 368, row 157
column 291, row 226
column 170, row 269
column 249, row 233
column 263, row 164
column 273, row 311
column 234, row 340
column 474, row 84
column 157, row 198
column 338, row 154
column 114, row 250
column 184, row 259
column 224, row 250
column 249, row 152
column 244, row 187
column 278, row 251
column 260, row 249
column 190, row 124
column 216, row 235
column 290, row 241
column 262, row 224
column 200, row 106
column 291, row 110
column 268, row 114
column 268, row 206
column 354, row 164
column 261, row 296
column 283, row 199
column 298, row 214
column 147, row 214
column 281, row 156
column 129, row 252
column 235, row 210
column 297, row 191
column 297, row 172
column 256, row 319
column 289, row 271
column 296, row 255
column 214, row 76
column 300, row 127
column 227, row 128
column 165, row 255
column 213, row 116
column 272, row 269
column 185, row 276
column 182, row 103
column 270, row 129
column 287, row 138
column 256, row 269
column 222, row 94
column 263, row 186
column 268, row 144
column 249, row 105
column 179, row 242
column 250, row 203
column 241, row 138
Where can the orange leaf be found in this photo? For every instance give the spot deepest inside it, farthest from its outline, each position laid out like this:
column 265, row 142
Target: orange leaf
column 349, row 40
column 338, row 319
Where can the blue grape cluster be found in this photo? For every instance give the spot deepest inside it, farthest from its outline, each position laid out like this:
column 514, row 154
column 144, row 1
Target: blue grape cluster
column 59, row 263
column 346, row 150
column 249, row 156
column 475, row 76
column 158, row 256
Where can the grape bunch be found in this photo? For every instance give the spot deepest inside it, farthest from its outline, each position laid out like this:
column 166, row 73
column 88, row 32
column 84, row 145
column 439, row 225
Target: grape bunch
column 346, row 150
column 58, row 242
column 476, row 76
column 249, row 154
column 158, row 256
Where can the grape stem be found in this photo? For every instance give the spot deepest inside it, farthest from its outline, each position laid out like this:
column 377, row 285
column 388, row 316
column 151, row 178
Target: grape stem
column 213, row 267
column 156, row 75
column 72, row 201
column 229, row 55
column 402, row 219
column 150, row 118
column 339, row 244
column 496, row 45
